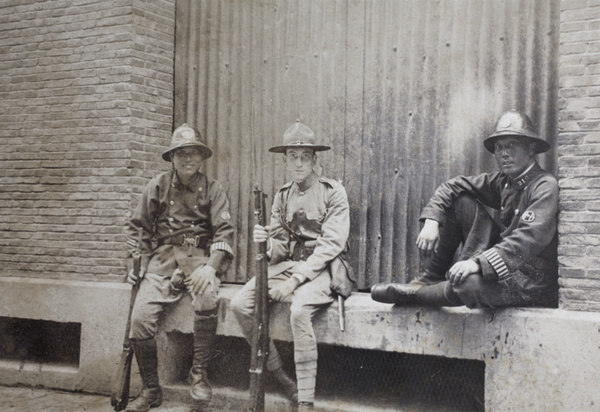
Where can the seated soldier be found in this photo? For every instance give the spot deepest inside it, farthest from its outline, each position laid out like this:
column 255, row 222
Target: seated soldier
column 187, row 243
column 509, row 254
column 307, row 237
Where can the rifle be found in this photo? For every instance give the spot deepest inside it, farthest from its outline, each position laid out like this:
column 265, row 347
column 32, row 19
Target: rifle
column 120, row 394
column 260, row 335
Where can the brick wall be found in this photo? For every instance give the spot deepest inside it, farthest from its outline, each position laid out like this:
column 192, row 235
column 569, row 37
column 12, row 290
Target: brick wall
column 86, row 102
column 578, row 154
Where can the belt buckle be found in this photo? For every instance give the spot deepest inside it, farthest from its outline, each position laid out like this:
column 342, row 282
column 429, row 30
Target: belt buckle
column 193, row 241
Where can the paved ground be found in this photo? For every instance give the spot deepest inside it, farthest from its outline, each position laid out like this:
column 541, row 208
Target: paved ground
column 20, row 399
column 25, row 399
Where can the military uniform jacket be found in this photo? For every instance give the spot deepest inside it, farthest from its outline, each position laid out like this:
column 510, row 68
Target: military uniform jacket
column 526, row 253
column 320, row 221
column 183, row 226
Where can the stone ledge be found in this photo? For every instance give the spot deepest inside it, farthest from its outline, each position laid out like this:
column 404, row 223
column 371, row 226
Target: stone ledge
column 535, row 359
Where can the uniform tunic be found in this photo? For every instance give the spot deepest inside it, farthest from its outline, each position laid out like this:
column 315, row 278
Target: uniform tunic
column 308, row 230
column 524, row 258
column 183, row 227
column 317, row 219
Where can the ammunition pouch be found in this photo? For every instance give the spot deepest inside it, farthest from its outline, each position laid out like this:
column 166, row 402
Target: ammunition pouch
column 343, row 282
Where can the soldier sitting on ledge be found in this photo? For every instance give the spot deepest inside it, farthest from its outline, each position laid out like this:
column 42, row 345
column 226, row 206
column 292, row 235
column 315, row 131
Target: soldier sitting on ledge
column 187, row 243
column 506, row 222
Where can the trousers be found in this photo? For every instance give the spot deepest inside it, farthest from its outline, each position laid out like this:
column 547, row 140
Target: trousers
column 469, row 230
column 156, row 293
column 306, row 301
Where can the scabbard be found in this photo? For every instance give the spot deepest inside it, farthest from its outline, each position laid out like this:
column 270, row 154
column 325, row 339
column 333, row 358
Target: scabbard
column 342, row 312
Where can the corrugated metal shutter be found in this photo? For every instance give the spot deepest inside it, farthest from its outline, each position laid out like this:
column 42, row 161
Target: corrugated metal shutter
column 403, row 90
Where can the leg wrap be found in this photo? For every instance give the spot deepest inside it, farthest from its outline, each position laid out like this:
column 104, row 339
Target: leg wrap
column 305, row 354
column 246, row 323
column 306, row 375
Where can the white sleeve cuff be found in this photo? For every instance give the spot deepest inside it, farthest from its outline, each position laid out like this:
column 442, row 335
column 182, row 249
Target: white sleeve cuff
column 301, row 278
column 497, row 263
column 221, row 246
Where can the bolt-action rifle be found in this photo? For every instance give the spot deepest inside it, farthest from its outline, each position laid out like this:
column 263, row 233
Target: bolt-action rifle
column 120, row 394
column 260, row 335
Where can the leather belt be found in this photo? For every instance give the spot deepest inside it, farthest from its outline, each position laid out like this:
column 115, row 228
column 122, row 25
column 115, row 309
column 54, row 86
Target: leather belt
column 183, row 240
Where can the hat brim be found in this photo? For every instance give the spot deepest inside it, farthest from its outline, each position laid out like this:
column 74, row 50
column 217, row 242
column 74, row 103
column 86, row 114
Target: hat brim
column 206, row 151
column 541, row 145
column 284, row 148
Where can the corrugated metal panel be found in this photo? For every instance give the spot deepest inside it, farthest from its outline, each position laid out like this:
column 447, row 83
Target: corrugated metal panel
column 403, row 90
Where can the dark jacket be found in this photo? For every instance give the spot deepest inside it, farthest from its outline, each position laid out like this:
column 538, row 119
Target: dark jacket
column 526, row 253
column 170, row 212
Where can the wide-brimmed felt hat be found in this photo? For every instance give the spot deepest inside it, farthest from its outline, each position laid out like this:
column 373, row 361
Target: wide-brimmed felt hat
column 515, row 123
column 298, row 136
column 186, row 136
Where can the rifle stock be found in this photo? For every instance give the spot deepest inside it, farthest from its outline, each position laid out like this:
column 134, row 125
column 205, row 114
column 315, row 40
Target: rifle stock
column 120, row 394
column 260, row 335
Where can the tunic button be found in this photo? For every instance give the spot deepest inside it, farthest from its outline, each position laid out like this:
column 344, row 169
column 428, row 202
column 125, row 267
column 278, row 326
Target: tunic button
column 171, row 230
column 301, row 193
column 195, row 206
column 171, row 203
column 171, row 219
column 192, row 225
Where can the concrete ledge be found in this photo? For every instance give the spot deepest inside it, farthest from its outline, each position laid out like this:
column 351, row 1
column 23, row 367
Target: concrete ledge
column 536, row 359
column 101, row 310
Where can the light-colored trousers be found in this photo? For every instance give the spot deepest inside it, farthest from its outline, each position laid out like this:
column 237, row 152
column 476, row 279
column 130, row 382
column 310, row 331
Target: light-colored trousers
column 306, row 301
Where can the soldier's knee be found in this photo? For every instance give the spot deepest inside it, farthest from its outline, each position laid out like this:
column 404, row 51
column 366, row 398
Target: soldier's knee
column 141, row 330
column 472, row 283
column 299, row 315
column 470, row 290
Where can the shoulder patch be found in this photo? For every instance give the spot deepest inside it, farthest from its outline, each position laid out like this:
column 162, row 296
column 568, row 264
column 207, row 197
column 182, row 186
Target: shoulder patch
column 528, row 216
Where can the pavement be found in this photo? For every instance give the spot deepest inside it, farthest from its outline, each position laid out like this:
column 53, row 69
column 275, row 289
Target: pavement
column 27, row 399
column 23, row 399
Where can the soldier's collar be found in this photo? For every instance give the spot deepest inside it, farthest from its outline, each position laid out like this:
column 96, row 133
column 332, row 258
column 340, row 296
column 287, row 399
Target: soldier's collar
column 195, row 181
column 524, row 178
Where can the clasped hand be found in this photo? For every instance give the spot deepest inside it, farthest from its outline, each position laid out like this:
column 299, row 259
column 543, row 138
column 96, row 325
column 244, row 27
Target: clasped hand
column 200, row 279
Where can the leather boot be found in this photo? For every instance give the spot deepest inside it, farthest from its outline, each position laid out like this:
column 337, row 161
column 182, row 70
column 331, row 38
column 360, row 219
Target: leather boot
column 205, row 328
column 200, row 390
column 287, row 384
column 147, row 359
column 440, row 294
column 397, row 293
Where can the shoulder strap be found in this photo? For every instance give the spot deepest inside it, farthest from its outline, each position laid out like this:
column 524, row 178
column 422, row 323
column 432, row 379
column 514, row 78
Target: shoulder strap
column 297, row 236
